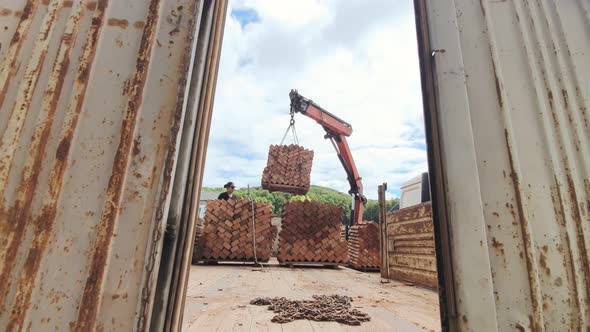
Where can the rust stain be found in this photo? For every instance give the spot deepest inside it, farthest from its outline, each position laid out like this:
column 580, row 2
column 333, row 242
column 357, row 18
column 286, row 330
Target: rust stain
column 137, row 146
column 89, row 304
column 558, row 204
column 45, row 2
column 19, row 213
column 126, row 87
column 496, row 81
column 565, row 98
column 27, row 187
column 68, row 4
column 20, row 111
column 63, row 149
column 577, row 220
column 5, row 12
column 526, row 237
column 561, row 215
column 45, row 221
column 558, row 282
column 543, row 263
column 91, row 5
column 122, row 296
column 174, row 19
column 139, row 24
column 7, row 72
column 498, row 245
column 121, row 23
column 18, row 13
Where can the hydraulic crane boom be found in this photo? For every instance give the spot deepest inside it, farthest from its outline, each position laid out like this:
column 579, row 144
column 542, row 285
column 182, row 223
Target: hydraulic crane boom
column 336, row 130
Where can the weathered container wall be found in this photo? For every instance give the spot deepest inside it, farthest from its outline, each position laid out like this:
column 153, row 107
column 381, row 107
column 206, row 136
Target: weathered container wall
column 409, row 245
column 507, row 96
column 92, row 102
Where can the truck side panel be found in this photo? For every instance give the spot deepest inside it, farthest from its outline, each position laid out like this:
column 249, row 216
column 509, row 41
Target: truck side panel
column 506, row 97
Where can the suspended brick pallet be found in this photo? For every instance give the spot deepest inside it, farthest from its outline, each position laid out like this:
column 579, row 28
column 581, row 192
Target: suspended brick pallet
column 288, row 169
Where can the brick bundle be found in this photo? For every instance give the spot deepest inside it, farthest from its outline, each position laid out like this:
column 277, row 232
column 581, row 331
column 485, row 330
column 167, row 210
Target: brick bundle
column 227, row 232
column 288, row 169
column 311, row 233
column 363, row 246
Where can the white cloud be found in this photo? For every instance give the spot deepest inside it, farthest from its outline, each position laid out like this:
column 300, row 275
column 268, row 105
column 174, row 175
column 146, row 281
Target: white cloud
column 357, row 59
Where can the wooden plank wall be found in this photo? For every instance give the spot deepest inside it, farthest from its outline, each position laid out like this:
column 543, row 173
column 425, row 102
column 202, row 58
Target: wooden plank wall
column 409, row 245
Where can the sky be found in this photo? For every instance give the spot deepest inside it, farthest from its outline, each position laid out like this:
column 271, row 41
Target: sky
column 356, row 59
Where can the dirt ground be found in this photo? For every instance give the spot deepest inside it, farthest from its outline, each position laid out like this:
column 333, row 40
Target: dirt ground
column 218, row 299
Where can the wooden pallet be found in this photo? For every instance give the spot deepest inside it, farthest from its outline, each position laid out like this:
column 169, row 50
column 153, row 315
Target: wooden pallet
column 310, row 264
column 365, row 269
column 272, row 187
column 222, row 261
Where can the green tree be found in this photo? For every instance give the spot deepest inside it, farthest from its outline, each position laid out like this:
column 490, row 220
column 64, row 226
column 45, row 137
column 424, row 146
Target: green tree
column 371, row 212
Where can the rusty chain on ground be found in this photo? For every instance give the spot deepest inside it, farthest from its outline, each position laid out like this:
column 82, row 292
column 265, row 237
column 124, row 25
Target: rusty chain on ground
column 322, row 308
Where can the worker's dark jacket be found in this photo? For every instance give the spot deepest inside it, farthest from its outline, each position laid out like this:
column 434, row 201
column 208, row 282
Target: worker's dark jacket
column 225, row 196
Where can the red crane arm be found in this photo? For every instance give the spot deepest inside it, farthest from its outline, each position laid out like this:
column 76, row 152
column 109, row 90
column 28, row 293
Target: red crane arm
column 336, row 130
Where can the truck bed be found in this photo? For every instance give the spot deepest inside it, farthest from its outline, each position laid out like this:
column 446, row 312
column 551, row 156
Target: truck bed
column 218, row 299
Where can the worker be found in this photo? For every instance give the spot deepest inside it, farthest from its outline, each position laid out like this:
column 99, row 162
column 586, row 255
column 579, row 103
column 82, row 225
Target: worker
column 229, row 192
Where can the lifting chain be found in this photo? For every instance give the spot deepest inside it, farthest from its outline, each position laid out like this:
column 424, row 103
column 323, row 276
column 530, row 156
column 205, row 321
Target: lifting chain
column 322, row 308
column 291, row 128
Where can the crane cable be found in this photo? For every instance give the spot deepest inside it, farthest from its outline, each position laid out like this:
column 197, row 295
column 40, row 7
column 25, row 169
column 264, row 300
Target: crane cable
column 291, row 128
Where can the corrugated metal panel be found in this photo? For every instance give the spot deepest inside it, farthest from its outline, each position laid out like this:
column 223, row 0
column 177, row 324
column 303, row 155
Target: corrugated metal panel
column 92, row 97
column 506, row 86
column 409, row 245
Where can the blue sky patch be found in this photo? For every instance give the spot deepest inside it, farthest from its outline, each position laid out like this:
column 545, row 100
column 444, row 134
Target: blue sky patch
column 245, row 16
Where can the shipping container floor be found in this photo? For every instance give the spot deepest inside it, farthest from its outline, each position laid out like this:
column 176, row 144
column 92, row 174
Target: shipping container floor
column 218, row 299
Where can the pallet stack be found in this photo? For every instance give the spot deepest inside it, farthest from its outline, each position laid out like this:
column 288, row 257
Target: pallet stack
column 227, row 233
column 363, row 246
column 311, row 233
column 288, row 169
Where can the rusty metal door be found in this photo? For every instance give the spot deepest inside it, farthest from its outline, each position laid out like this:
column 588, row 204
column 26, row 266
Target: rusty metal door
column 506, row 104
column 93, row 100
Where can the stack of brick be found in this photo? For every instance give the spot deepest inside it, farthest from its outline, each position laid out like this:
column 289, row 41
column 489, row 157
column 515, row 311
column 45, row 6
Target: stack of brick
column 311, row 234
column 288, row 169
column 227, row 232
column 363, row 246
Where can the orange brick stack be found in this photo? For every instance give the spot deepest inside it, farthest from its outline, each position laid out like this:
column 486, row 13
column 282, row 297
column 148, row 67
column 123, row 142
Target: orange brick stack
column 363, row 246
column 288, row 169
column 311, row 233
column 227, row 232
